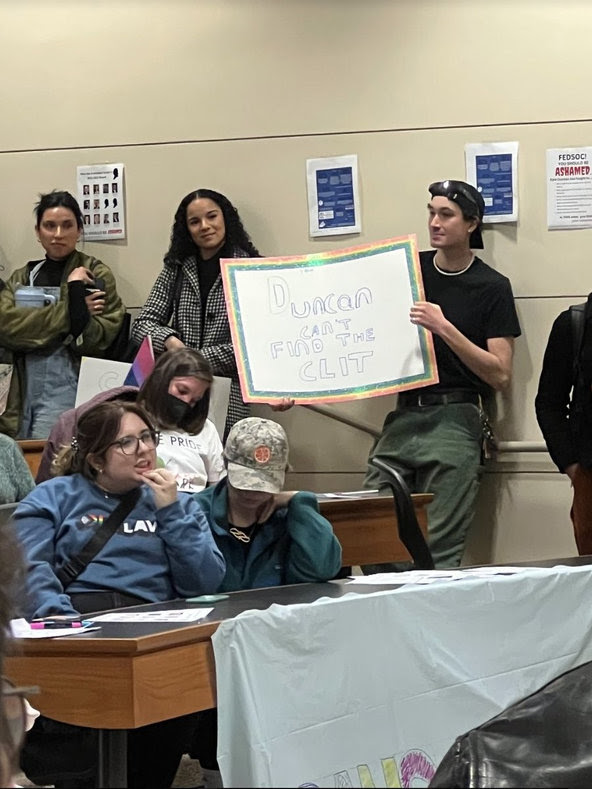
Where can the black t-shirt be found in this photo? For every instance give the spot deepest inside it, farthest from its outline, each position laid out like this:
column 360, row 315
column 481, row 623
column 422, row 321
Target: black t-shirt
column 207, row 274
column 480, row 304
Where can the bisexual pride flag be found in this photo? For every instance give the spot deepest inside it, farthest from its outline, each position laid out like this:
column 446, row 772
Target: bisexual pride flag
column 142, row 365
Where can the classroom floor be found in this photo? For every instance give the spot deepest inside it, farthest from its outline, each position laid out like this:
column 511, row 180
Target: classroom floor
column 188, row 776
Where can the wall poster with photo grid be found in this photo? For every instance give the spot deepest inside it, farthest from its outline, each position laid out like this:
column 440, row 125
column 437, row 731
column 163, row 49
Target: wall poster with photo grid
column 101, row 197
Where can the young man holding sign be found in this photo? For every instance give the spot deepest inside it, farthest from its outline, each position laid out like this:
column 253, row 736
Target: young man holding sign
column 435, row 436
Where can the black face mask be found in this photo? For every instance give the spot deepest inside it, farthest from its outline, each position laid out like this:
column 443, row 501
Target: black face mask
column 176, row 409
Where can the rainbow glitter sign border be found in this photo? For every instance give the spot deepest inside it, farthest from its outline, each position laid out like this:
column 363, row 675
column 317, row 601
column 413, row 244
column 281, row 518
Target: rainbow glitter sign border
column 231, row 266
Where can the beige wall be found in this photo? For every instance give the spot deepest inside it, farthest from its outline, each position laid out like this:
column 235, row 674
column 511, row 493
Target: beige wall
column 236, row 94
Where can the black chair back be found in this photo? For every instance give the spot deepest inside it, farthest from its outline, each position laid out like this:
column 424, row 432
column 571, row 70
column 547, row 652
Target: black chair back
column 410, row 532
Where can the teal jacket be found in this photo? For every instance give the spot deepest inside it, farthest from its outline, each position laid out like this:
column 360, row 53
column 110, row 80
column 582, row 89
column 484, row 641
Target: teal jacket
column 296, row 545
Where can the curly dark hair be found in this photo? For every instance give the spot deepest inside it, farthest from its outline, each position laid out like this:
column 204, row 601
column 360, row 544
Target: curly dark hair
column 182, row 245
column 56, row 199
column 177, row 363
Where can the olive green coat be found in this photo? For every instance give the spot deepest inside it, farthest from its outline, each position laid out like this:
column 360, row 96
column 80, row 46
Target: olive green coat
column 25, row 329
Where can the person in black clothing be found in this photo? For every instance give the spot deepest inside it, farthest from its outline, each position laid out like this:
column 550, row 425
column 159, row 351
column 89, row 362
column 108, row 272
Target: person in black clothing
column 434, row 437
column 563, row 407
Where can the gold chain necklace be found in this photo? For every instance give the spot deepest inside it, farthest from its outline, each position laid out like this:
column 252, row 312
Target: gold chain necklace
column 239, row 534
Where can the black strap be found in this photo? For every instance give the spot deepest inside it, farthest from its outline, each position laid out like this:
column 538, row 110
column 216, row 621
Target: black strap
column 101, row 535
column 577, row 314
column 173, row 304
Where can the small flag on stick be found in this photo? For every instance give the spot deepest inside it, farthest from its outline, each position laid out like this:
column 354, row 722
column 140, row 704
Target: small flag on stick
column 142, row 365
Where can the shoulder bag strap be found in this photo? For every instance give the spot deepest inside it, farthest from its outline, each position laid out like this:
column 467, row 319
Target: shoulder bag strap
column 577, row 314
column 173, row 305
column 101, row 535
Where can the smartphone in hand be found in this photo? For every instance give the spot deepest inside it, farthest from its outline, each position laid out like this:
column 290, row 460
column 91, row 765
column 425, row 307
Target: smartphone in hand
column 97, row 284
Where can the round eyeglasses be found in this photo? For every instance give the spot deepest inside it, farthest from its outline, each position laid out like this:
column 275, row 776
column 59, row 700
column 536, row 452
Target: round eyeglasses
column 130, row 444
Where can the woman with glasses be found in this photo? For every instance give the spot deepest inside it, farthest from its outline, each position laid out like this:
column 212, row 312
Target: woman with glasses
column 435, row 435
column 176, row 394
column 162, row 549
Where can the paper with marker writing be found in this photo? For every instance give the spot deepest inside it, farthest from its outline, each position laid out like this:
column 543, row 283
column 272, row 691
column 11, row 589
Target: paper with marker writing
column 320, row 327
column 181, row 615
column 20, row 628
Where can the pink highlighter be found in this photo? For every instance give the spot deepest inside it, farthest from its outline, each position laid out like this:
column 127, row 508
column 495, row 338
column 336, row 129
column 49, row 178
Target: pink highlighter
column 54, row 623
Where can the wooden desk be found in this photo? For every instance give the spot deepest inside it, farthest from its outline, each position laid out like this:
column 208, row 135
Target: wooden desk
column 141, row 672
column 130, row 674
column 366, row 527
column 32, row 450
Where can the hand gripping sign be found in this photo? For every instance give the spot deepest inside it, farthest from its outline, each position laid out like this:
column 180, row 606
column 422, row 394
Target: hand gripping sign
column 329, row 327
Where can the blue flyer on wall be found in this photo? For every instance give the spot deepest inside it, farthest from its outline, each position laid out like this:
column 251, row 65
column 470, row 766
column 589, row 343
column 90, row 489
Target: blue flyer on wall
column 333, row 201
column 492, row 168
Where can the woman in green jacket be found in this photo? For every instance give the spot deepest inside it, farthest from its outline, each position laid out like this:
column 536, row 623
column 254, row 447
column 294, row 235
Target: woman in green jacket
column 54, row 311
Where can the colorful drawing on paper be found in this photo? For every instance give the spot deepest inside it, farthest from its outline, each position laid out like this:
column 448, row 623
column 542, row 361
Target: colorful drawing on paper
column 329, row 327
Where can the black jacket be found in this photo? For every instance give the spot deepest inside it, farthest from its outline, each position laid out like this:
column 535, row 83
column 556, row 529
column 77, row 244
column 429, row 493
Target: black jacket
column 564, row 399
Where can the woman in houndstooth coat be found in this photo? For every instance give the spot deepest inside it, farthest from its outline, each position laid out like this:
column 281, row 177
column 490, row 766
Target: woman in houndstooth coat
column 186, row 305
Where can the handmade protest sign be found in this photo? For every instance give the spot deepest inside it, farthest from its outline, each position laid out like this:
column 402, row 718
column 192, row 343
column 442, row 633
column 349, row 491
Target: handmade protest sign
column 328, row 327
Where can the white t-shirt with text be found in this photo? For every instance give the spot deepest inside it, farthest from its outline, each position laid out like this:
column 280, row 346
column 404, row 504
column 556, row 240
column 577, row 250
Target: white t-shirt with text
column 196, row 461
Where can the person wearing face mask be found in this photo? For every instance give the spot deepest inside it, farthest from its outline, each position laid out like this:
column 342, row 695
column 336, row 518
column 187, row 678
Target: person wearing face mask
column 48, row 337
column 186, row 306
column 177, row 396
column 435, row 435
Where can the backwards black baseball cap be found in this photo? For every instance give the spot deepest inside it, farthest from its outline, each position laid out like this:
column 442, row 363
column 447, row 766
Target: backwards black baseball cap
column 470, row 201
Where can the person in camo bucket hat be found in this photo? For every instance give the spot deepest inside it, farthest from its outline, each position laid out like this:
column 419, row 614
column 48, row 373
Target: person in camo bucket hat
column 256, row 453
column 268, row 536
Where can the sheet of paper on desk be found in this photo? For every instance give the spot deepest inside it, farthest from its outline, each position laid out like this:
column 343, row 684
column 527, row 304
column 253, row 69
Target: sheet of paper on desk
column 181, row 615
column 20, row 628
column 433, row 576
column 349, row 494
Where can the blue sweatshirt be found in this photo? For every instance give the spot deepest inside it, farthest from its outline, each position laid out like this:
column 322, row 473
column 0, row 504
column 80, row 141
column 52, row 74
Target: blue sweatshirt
column 296, row 545
column 156, row 554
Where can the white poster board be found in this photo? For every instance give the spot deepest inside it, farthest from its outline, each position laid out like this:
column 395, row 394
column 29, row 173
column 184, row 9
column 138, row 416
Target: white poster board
column 99, row 375
column 329, row 327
